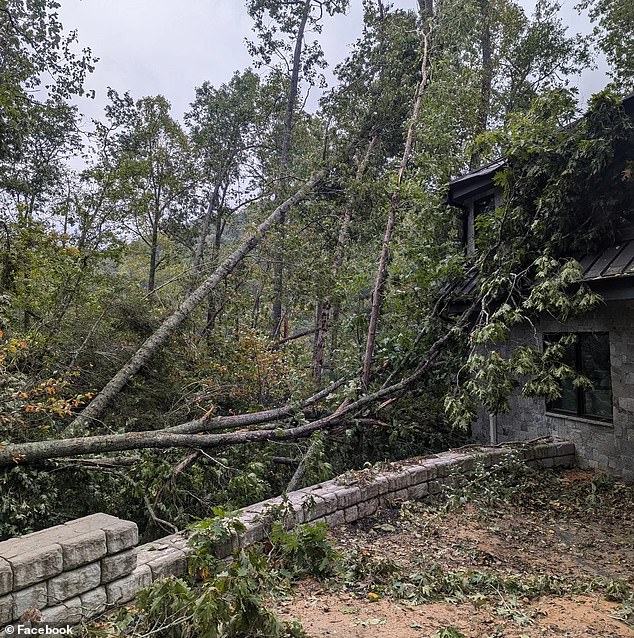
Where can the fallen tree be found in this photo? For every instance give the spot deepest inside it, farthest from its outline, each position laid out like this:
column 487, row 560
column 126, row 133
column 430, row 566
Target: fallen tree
column 95, row 409
column 187, row 436
column 207, row 424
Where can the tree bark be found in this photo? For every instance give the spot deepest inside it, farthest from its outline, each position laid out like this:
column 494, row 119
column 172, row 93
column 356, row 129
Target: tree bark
column 214, row 312
column 204, row 233
column 97, row 406
column 379, row 282
column 153, row 254
column 298, row 335
column 278, row 286
column 486, row 81
column 300, row 471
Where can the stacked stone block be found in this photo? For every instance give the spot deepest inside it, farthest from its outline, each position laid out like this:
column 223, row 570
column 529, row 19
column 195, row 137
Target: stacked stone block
column 76, row 570
column 350, row 498
column 65, row 573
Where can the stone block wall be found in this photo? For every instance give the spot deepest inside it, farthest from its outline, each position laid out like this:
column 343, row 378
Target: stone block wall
column 599, row 445
column 68, row 572
column 78, row 569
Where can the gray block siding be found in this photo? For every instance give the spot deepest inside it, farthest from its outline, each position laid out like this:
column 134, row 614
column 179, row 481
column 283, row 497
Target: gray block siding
column 606, row 446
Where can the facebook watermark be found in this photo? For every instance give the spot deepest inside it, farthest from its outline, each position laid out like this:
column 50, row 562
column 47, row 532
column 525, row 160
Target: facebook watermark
column 41, row 629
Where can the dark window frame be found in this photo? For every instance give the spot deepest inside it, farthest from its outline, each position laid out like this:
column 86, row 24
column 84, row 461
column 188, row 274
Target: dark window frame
column 581, row 411
column 483, row 204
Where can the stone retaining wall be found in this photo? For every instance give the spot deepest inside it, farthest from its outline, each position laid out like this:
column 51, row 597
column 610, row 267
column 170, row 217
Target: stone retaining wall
column 66, row 572
column 78, row 569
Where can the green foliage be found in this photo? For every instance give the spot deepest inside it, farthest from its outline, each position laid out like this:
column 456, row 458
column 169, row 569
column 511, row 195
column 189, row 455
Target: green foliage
column 230, row 605
column 34, row 47
column 507, row 481
column 524, row 272
column 318, row 465
column 615, row 33
column 511, row 482
column 303, row 550
column 231, row 601
column 152, row 173
column 363, row 566
column 221, row 529
column 246, row 373
column 298, row 552
column 625, row 612
column 93, row 260
column 434, row 584
column 278, row 22
column 448, row 632
column 28, row 497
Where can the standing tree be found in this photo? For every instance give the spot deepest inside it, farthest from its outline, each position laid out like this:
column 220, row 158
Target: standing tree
column 281, row 26
column 222, row 125
column 153, row 169
column 224, row 133
column 38, row 63
column 615, row 33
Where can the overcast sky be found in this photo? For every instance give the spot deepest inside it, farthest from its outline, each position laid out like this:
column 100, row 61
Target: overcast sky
column 168, row 47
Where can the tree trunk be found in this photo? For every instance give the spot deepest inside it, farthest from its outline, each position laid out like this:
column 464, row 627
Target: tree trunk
column 486, row 80
column 153, row 254
column 212, row 311
column 278, row 282
column 381, row 274
column 322, row 320
column 204, row 233
column 300, row 471
column 325, row 306
column 97, row 406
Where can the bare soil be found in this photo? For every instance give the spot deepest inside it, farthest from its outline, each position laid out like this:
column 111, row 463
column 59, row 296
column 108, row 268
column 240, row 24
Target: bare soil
column 572, row 529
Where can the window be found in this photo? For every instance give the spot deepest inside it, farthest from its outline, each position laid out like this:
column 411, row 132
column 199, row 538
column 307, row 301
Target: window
column 589, row 355
column 484, row 205
column 480, row 206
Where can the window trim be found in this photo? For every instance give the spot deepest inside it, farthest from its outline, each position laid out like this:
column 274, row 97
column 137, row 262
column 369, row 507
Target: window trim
column 581, row 413
column 580, row 419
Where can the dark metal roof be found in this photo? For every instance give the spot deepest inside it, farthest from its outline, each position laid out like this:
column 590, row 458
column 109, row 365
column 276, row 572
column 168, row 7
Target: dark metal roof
column 483, row 171
column 611, row 263
column 473, row 183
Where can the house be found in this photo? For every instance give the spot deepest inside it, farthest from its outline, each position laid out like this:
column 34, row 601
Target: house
column 600, row 421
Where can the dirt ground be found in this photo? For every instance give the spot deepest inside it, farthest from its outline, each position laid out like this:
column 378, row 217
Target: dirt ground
column 571, row 530
column 333, row 615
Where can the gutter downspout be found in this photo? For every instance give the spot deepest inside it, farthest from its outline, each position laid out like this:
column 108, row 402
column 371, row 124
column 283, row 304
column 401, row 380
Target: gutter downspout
column 493, row 428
